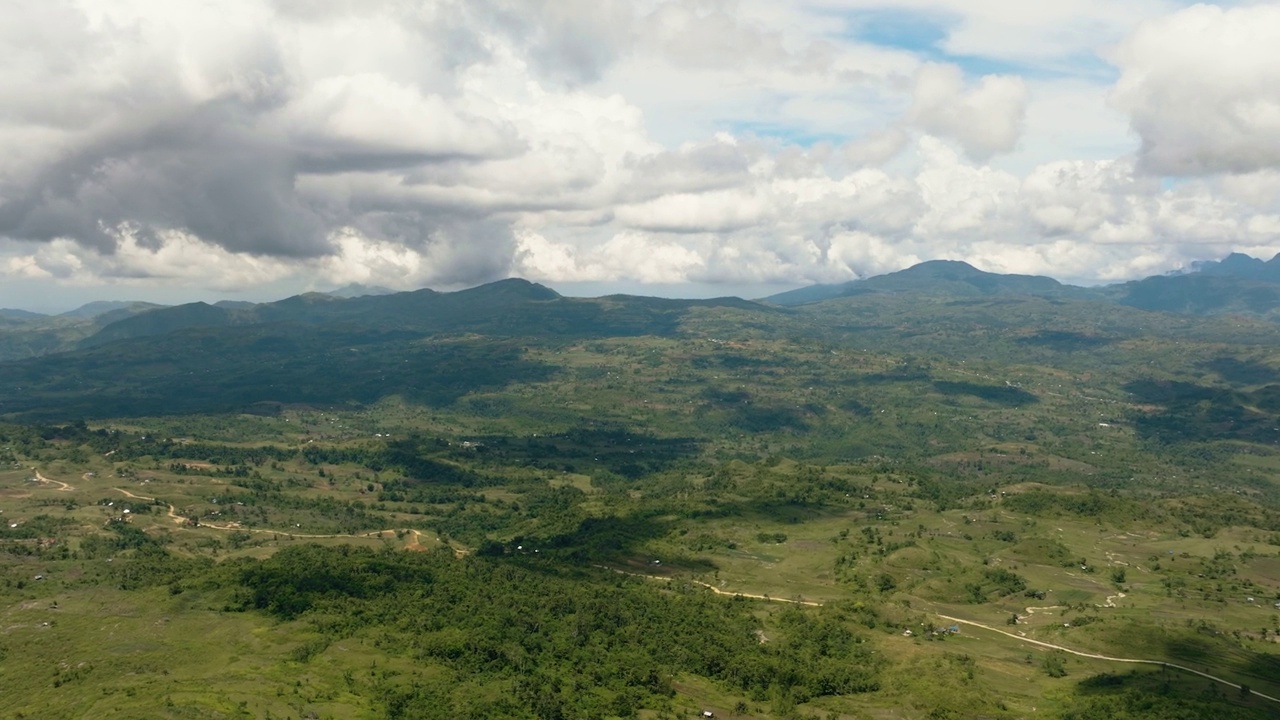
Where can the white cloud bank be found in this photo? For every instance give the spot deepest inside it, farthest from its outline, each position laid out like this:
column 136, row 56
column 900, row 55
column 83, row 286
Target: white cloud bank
column 446, row 142
column 1202, row 88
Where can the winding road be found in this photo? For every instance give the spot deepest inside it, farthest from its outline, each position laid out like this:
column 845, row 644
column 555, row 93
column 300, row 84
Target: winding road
column 962, row 621
column 173, row 515
column 713, row 588
column 1097, row 656
column 179, row 519
column 62, row 487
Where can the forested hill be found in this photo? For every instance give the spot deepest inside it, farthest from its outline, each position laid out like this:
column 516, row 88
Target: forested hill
column 1238, row 284
column 937, row 278
column 427, row 346
column 419, row 310
column 507, row 307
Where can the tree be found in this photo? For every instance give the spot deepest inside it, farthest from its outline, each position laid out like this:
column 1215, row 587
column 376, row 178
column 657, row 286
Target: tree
column 1054, row 665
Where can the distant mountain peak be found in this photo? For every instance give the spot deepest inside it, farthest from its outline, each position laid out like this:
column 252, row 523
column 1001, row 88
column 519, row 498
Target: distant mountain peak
column 15, row 314
column 92, row 310
column 953, row 265
column 518, row 287
column 1236, row 262
column 355, row 290
column 1237, row 265
column 933, row 277
column 306, row 298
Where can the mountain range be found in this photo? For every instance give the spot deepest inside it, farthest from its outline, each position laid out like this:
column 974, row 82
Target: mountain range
column 1235, row 284
column 937, row 278
column 148, row 351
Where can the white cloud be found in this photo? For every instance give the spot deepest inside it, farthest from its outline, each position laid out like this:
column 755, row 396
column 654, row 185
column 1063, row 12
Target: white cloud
column 961, row 199
column 171, row 257
column 985, row 119
column 870, row 254
column 714, row 211
column 1202, row 89
column 371, row 262
column 877, row 148
column 631, row 255
column 374, row 117
column 1258, row 190
column 1081, row 197
column 253, row 142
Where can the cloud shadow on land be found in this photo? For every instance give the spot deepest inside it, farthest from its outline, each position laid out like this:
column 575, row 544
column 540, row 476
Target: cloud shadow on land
column 612, row 455
column 1202, row 413
column 1242, row 372
column 1065, row 341
column 1005, row 395
column 257, row 370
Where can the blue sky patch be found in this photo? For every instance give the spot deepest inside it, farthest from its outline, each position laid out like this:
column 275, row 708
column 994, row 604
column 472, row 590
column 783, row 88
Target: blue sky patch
column 924, row 34
column 903, row 29
column 787, row 134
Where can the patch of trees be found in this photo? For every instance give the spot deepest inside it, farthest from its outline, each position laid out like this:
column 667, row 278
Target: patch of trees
column 500, row 637
column 995, row 581
column 1093, row 504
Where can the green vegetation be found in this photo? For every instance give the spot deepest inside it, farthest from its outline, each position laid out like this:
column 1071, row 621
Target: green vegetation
column 520, row 505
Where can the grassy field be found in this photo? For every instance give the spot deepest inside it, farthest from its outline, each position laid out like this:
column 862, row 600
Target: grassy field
column 1134, row 588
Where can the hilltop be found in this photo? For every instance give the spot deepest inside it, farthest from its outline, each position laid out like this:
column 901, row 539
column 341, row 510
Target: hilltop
column 1236, row 284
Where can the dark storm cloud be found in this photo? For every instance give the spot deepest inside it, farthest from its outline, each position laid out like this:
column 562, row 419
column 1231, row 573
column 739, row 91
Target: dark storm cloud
column 140, row 149
column 204, row 171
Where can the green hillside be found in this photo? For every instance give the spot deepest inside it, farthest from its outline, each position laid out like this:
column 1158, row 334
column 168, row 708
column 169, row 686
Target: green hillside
column 506, row 503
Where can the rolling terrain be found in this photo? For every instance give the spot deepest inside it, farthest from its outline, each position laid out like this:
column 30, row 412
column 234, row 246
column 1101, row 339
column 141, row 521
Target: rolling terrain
column 952, row 495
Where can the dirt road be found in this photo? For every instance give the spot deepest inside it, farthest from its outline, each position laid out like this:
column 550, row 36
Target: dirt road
column 732, row 593
column 1097, row 656
column 173, row 515
column 714, row 589
column 962, row 621
column 414, row 544
column 62, row 487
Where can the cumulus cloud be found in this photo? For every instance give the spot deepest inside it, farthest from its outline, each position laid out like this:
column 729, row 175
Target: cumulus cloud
column 173, row 257
column 1202, row 89
column 1077, row 220
column 985, row 119
column 632, row 255
column 241, row 128
column 177, row 257
column 660, row 141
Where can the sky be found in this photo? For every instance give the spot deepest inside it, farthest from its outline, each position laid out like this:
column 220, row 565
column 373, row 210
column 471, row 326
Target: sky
column 252, row 149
